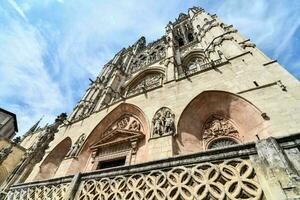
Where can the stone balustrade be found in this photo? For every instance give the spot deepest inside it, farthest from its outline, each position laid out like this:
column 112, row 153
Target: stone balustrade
column 233, row 172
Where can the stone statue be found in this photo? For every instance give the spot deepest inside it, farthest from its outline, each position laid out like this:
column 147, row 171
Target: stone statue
column 135, row 126
column 217, row 126
column 169, row 123
column 163, row 123
column 76, row 147
column 4, row 153
column 157, row 125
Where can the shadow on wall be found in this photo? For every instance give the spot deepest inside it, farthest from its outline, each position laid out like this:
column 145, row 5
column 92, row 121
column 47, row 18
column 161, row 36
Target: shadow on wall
column 229, row 108
column 51, row 163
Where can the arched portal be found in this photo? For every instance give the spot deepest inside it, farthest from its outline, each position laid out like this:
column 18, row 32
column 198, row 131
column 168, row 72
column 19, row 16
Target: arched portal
column 216, row 118
column 125, row 125
column 53, row 160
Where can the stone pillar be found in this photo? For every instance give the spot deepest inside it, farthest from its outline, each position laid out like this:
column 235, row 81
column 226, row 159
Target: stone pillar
column 161, row 147
column 276, row 174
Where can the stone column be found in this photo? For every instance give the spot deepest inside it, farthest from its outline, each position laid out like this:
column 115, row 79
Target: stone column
column 161, row 147
column 276, row 174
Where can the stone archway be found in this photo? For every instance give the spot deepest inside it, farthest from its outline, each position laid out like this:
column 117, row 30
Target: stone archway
column 105, row 131
column 243, row 119
column 51, row 163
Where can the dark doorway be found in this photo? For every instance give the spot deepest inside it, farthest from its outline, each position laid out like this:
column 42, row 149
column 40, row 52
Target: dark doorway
column 111, row 163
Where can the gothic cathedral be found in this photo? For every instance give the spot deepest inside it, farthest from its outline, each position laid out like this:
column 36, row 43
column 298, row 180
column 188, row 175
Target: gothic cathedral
column 200, row 113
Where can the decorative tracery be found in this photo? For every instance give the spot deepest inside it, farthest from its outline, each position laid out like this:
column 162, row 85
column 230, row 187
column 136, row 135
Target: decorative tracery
column 120, row 140
column 149, row 81
column 219, row 132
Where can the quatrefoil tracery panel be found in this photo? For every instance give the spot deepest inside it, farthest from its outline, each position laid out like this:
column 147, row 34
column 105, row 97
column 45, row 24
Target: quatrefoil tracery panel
column 232, row 179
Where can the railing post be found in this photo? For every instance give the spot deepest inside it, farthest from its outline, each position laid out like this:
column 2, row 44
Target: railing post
column 275, row 172
column 70, row 195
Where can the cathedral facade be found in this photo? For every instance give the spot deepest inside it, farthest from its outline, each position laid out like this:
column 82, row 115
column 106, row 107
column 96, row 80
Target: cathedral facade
column 200, row 113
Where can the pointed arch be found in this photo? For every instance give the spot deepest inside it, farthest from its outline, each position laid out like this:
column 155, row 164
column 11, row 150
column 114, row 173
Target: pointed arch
column 196, row 53
column 99, row 132
column 51, row 163
column 230, row 108
column 146, row 79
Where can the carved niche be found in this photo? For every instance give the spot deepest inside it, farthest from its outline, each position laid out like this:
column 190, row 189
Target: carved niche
column 163, row 123
column 219, row 132
column 121, row 139
column 148, row 82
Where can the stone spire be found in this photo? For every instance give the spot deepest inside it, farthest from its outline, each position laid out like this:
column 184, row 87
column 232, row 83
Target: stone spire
column 34, row 127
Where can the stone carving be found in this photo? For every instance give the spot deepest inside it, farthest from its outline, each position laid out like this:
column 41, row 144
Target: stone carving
column 76, row 147
column 163, row 123
column 35, row 154
column 149, row 81
column 232, row 179
column 123, row 122
column 50, row 191
column 217, row 126
column 135, row 126
column 154, row 52
column 4, row 152
column 126, row 122
column 194, row 64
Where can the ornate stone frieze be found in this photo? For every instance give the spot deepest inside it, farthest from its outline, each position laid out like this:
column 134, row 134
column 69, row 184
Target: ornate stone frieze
column 219, row 132
column 163, row 122
column 76, row 146
column 149, row 56
column 120, row 140
column 148, row 82
column 217, row 126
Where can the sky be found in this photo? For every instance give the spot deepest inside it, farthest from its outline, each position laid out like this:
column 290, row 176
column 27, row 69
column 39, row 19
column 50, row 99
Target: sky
column 50, row 48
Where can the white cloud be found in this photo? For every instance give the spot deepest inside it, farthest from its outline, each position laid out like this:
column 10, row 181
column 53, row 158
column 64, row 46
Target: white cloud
column 25, row 86
column 18, row 9
column 57, row 45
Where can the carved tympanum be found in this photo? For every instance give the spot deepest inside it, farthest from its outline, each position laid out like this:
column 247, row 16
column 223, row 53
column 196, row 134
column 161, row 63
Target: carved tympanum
column 119, row 140
column 76, row 147
column 219, row 132
column 163, row 122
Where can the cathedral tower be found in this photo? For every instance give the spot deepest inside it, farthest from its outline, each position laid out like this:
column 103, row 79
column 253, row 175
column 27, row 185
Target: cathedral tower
column 201, row 113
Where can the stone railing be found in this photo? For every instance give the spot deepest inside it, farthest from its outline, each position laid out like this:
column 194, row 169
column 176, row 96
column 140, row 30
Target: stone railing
column 200, row 68
column 234, row 172
column 54, row 189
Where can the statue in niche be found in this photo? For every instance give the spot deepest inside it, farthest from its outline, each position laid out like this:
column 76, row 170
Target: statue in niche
column 163, row 123
column 217, row 126
column 76, row 147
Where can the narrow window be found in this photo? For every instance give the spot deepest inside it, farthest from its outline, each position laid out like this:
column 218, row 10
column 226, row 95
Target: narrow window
column 190, row 37
column 180, row 42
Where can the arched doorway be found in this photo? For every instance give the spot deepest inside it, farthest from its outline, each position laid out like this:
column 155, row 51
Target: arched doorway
column 51, row 163
column 217, row 118
column 125, row 129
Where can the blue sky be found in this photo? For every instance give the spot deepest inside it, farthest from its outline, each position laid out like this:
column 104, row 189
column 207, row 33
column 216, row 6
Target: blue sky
column 50, row 48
